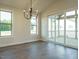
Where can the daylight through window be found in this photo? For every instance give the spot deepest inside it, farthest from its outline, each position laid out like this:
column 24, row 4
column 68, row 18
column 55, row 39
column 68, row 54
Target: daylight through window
column 33, row 25
column 5, row 23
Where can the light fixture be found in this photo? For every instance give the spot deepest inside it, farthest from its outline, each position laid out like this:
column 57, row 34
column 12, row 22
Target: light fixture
column 30, row 12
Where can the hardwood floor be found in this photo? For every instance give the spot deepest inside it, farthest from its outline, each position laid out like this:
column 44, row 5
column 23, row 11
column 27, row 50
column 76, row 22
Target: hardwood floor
column 38, row 50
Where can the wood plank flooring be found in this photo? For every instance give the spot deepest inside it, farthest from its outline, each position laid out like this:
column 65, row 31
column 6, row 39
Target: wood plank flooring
column 38, row 50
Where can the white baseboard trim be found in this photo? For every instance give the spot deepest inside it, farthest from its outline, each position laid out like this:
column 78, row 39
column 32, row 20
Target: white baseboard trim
column 12, row 44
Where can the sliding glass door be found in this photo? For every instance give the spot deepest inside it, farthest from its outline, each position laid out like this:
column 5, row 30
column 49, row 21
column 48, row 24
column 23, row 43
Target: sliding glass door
column 63, row 28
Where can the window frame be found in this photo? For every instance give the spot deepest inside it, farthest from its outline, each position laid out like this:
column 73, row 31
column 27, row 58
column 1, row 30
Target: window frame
column 9, row 11
column 36, row 32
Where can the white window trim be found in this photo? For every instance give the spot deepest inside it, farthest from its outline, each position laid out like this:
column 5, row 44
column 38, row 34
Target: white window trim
column 36, row 27
column 11, row 22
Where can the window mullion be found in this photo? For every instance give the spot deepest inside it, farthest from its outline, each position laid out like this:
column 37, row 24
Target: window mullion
column 51, row 28
column 65, row 29
column 75, row 24
column 55, row 28
column 0, row 23
column 58, row 27
column 37, row 25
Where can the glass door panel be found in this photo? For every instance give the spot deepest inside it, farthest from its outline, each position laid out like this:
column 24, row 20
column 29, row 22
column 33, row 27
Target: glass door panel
column 60, row 30
column 71, row 30
column 51, row 28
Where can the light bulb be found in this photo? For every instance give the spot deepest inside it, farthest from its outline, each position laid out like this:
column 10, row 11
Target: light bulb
column 24, row 10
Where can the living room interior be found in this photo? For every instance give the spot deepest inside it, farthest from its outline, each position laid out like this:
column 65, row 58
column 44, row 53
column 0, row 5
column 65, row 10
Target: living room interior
column 39, row 29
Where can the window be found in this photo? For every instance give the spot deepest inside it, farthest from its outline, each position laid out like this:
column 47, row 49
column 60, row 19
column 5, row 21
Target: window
column 33, row 25
column 71, row 24
column 5, row 23
column 70, row 13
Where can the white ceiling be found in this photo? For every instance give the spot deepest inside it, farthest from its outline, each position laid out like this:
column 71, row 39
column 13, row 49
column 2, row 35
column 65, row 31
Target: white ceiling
column 37, row 4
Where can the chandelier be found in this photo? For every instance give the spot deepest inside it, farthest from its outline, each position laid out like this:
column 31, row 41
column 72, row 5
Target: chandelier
column 30, row 12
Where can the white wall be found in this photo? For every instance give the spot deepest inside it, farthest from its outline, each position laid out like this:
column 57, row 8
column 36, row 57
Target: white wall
column 20, row 29
column 56, row 8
